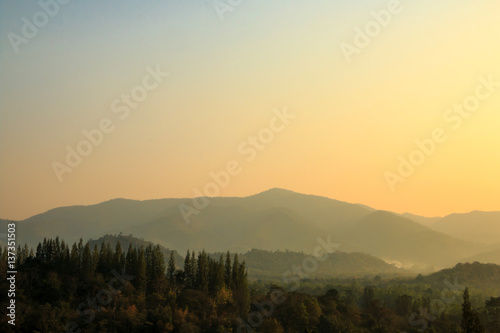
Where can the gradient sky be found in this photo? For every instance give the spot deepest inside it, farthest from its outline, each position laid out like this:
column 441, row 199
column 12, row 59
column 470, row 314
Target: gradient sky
column 352, row 121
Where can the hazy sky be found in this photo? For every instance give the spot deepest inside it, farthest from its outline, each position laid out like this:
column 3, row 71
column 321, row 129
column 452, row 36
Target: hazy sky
column 353, row 120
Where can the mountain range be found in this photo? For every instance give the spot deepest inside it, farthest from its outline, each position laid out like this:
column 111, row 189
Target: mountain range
column 275, row 220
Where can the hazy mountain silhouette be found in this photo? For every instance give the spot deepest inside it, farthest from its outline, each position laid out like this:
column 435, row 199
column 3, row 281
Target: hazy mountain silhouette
column 271, row 220
column 273, row 264
column 476, row 226
column 74, row 222
column 489, row 257
column 426, row 221
column 472, row 275
column 394, row 238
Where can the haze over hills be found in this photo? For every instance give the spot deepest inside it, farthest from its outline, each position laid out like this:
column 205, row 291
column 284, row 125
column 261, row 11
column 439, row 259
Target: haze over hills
column 473, row 275
column 426, row 221
column 476, row 226
column 489, row 257
column 267, row 265
column 273, row 264
column 392, row 237
column 272, row 220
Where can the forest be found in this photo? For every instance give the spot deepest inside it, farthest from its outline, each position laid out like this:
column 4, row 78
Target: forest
column 104, row 288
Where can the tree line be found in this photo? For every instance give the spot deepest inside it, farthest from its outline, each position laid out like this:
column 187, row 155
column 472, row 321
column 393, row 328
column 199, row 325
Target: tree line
column 55, row 278
column 84, row 288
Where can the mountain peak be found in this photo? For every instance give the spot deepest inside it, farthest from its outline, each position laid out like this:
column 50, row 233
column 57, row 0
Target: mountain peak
column 276, row 191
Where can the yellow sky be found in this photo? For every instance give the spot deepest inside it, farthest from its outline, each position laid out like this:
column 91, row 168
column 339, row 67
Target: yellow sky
column 352, row 120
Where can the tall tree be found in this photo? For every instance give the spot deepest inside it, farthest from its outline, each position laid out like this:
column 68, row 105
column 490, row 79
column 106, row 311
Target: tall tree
column 241, row 293
column 95, row 259
column 202, row 271
column 109, row 258
column 158, row 263
column 227, row 269
column 188, row 270
column 118, row 257
column 74, row 260
column 80, row 248
column 220, row 274
column 141, row 277
column 57, row 250
column 234, row 275
column 87, row 263
column 39, row 254
column 470, row 320
column 102, row 264
column 131, row 260
column 194, row 267
column 171, row 269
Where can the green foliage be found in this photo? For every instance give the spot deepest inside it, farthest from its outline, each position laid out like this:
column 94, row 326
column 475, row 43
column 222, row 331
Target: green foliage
column 84, row 287
column 470, row 320
column 171, row 269
column 493, row 314
column 213, row 294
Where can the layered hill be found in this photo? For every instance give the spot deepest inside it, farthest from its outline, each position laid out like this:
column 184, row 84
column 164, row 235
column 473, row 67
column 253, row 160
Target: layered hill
column 489, row 257
column 476, row 226
column 272, row 220
column 397, row 239
column 275, row 265
column 472, row 275
column 271, row 265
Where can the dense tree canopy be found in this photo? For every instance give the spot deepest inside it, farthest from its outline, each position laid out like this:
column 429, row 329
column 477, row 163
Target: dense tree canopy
column 104, row 288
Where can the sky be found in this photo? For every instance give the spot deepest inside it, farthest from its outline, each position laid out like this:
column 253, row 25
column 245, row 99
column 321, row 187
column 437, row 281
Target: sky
column 319, row 97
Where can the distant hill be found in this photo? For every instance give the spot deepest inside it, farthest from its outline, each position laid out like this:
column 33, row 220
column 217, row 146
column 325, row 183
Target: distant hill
column 273, row 264
column 489, row 257
column 125, row 241
column 253, row 222
column 473, row 275
column 392, row 237
column 273, row 220
column 425, row 221
column 233, row 228
column 476, row 226
column 263, row 264
column 71, row 223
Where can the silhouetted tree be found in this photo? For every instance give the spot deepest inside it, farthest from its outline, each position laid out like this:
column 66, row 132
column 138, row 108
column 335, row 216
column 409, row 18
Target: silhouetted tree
column 188, row 271
column 470, row 320
column 171, row 269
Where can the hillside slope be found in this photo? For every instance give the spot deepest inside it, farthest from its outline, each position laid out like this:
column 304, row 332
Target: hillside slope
column 479, row 227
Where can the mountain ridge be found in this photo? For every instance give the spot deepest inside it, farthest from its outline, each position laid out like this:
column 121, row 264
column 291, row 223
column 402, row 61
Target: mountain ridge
column 270, row 220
